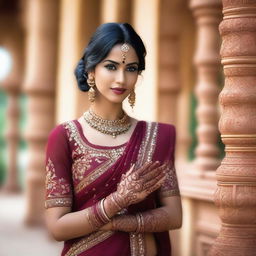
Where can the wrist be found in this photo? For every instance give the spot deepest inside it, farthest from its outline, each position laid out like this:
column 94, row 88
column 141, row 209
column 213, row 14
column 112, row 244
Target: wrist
column 111, row 206
column 119, row 201
column 125, row 223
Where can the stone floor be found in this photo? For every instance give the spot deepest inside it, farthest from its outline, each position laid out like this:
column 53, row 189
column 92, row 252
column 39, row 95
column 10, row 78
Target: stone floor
column 17, row 239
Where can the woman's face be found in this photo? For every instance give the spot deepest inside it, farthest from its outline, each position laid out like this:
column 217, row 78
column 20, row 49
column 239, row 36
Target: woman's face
column 113, row 78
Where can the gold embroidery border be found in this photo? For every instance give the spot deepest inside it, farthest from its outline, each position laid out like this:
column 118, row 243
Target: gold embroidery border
column 137, row 244
column 91, row 177
column 76, row 136
column 137, row 240
column 171, row 192
column 58, row 202
column 88, row 242
column 111, row 154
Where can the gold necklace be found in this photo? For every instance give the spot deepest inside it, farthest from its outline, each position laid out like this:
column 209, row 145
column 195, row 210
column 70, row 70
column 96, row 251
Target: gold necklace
column 110, row 127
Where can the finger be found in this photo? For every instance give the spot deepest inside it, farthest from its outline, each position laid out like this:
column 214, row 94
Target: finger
column 156, row 186
column 130, row 170
column 136, row 173
column 151, row 174
column 124, row 175
column 154, row 181
column 147, row 169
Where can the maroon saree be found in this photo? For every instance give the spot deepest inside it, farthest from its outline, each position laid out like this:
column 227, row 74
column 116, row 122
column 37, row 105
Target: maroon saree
column 79, row 174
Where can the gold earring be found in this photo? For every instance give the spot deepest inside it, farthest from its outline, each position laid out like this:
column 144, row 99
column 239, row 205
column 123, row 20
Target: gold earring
column 131, row 98
column 91, row 92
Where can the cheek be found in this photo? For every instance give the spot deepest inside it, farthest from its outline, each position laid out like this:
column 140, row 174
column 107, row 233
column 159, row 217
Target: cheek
column 132, row 79
column 102, row 77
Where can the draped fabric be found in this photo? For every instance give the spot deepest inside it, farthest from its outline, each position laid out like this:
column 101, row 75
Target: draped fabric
column 79, row 174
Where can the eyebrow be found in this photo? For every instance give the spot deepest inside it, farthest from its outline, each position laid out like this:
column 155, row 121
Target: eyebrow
column 117, row 63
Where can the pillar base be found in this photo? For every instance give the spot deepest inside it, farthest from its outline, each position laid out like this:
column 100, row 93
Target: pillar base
column 235, row 241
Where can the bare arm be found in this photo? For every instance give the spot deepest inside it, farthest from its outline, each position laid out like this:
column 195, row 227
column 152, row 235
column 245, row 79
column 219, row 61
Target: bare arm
column 167, row 217
column 133, row 188
column 64, row 224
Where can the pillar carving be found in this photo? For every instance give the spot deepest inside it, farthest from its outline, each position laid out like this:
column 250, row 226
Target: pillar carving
column 12, row 40
column 207, row 61
column 169, row 56
column 39, row 85
column 236, row 177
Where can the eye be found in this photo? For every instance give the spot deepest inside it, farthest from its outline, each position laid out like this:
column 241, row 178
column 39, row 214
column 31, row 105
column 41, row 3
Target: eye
column 110, row 67
column 132, row 68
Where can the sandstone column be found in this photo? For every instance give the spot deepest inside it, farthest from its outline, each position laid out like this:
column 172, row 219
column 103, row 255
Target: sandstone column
column 12, row 39
column 39, row 84
column 78, row 21
column 146, row 87
column 236, row 193
column 116, row 11
column 169, row 55
column 207, row 62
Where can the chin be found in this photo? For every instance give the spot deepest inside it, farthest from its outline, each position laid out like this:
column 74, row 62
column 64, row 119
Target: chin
column 118, row 99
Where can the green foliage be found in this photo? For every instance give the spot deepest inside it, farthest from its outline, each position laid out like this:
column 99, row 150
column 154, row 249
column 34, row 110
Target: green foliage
column 3, row 103
column 192, row 127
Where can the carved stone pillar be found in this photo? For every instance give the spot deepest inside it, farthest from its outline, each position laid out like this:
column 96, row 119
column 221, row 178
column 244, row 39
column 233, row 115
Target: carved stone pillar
column 236, row 193
column 78, row 21
column 116, row 11
column 169, row 56
column 12, row 40
column 207, row 61
column 12, row 140
column 39, row 84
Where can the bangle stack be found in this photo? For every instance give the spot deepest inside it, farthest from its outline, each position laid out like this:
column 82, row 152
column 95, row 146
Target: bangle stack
column 97, row 215
column 140, row 223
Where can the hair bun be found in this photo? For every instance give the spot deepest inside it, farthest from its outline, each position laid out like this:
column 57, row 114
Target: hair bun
column 81, row 76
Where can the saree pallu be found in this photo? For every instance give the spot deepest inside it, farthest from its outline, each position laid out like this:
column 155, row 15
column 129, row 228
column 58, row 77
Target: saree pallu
column 79, row 174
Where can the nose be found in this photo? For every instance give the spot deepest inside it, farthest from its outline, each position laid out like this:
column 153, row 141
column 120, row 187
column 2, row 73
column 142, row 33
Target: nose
column 120, row 79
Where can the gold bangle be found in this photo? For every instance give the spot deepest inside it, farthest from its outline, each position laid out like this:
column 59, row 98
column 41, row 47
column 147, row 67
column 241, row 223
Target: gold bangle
column 138, row 223
column 103, row 210
column 142, row 223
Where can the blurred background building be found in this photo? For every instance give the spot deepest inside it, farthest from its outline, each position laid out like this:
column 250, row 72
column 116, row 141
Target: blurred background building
column 41, row 42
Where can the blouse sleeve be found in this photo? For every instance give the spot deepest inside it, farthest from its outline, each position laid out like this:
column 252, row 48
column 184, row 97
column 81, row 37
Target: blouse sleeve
column 58, row 170
column 170, row 186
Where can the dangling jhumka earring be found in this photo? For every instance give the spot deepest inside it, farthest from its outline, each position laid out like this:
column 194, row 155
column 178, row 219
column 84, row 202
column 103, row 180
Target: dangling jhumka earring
column 131, row 98
column 124, row 49
column 91, row 93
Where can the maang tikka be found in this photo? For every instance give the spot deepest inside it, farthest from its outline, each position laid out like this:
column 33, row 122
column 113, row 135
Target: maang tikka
column 91, row 92
column 124, row 49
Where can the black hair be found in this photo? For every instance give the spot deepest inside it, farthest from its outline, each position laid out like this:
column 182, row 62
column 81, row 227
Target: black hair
column 104, row 39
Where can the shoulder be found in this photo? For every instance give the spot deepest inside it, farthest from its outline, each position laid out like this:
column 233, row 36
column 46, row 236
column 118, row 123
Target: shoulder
column 166, row 128
column 59, row 131
column 163, row 128
column 165, row 134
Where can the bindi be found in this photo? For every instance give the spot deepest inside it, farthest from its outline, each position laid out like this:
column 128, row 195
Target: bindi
column 124, row 49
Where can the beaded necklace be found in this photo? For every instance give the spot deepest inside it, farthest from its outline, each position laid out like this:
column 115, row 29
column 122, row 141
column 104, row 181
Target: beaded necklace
column 110, row 127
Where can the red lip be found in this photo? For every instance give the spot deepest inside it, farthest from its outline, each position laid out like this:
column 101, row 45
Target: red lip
column 118, row 90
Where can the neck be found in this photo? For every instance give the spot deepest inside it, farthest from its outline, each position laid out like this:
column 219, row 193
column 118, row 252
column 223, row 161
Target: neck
column 108, row 111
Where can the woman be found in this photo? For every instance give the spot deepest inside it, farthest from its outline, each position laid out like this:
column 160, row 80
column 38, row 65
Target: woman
column 110, row 179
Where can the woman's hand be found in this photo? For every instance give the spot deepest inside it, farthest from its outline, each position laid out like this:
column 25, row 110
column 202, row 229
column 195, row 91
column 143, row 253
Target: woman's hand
column 136, row 185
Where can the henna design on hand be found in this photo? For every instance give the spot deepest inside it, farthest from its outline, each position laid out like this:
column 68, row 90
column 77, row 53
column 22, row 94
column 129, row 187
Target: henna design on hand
column 126, row 223
column 156, row 220
column 137, row 185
